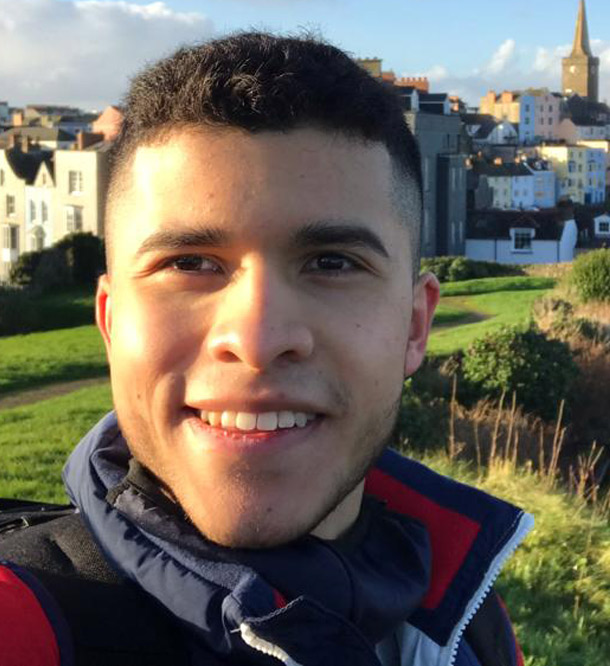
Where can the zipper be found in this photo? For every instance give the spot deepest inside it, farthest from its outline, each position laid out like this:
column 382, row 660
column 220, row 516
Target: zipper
column 526, row 523
column 260, row 645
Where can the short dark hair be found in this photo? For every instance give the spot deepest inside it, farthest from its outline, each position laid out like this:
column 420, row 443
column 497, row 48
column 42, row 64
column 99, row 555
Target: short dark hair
column 260, row 82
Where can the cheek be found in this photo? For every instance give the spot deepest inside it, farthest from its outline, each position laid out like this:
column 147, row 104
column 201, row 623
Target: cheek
column 151, row 338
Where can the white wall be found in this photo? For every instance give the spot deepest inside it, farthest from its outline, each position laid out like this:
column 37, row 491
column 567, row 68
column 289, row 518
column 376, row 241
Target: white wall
column 543, row 252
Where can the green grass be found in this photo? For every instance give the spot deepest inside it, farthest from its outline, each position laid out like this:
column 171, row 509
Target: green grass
column 491, row 285
column 37, row 359
column 36, row 440
column 557, row 585
column 473, row 308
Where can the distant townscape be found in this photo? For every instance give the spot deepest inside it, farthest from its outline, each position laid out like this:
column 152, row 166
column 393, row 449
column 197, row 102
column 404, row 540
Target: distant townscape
column 523, row 178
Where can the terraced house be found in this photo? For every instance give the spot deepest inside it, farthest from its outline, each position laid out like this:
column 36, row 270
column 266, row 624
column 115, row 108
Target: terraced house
column 45, row 195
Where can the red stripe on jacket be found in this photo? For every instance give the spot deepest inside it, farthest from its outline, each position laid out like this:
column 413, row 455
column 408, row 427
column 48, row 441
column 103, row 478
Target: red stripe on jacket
column 451, row 534
column 26, row 636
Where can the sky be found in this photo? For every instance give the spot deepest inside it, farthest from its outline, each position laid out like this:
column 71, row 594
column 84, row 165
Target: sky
column 83, row 52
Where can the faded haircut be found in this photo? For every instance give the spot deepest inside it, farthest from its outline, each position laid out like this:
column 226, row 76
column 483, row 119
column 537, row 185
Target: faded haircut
column 259, row 82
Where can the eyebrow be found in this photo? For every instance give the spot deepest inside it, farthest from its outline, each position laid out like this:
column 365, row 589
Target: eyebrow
column 170, row 239
column 312, row 234
column 339, row 233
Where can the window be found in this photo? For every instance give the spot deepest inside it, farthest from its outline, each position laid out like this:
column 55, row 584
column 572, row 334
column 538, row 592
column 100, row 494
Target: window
column 37, row 239
column 74, row 218
column 603, row 227
column 426, row 174
column 75, row 182
column 527, row 121
column 32, row 211
column 522, row 240
column 44, row 212
column 10, row 237
column 10, row 205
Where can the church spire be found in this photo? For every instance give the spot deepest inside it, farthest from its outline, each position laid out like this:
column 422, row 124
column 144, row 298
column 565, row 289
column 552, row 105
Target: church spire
column 581, row 38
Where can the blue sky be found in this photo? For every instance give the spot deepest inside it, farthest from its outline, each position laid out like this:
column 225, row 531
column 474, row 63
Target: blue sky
column 82, row 52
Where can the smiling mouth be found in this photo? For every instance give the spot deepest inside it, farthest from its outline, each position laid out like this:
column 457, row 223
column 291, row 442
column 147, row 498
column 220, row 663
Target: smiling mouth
column 264, row 422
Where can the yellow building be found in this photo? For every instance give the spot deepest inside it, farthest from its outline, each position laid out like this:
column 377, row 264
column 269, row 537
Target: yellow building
column 581, row 172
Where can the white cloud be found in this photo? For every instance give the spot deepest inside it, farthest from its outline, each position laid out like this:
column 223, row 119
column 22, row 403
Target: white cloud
column 83, row 52
column 437, row 73
column 512, row 68
column 502, row 58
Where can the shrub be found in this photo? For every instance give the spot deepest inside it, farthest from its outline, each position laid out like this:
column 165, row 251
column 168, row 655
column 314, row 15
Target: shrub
column 591, row 275
column 22, row 272
column 77, row 259
column 541, row 371
column 456, row 269
column 423, row 420
column 18, row 314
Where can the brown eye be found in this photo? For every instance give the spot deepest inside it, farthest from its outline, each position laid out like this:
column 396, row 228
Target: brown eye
column 193, row 263
column 332, row 263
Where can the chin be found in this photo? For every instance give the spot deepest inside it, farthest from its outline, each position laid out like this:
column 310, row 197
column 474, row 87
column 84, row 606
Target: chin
column 256, row 535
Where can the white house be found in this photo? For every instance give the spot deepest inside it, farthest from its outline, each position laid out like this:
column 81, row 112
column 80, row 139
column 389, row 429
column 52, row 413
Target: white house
column 39, row 209
column 521, row 238
column 602, row 227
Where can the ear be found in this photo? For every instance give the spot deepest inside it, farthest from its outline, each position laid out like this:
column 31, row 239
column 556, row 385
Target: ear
column 103, row 310
column 425, row 299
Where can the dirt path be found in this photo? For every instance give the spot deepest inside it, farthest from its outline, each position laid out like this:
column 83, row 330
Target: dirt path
column 51, row 391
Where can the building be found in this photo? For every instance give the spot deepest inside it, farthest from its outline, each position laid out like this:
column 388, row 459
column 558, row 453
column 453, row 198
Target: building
column 581, row 172
column 545, row 183
column 40, row 209
column 421, row 83
column 443, row 156
column 512, row 183
column 535, row 112
column 19, row 166
column 600, row 145
column 580, row 70
column 81, row 182
column 108, row 123
column 46, row 138
column 601, row 229
column 5, row 114
column 582, row 129
column 531, row 237
column 485, row 130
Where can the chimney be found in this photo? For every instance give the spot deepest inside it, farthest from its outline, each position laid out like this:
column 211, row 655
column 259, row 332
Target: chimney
column 12, row 141
column 86, row 139
column 26, row 144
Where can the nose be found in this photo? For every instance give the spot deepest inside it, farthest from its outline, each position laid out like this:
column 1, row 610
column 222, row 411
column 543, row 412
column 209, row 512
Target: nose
column 260, row 321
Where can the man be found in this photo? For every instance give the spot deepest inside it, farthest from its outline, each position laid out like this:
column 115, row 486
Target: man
column 261, row 310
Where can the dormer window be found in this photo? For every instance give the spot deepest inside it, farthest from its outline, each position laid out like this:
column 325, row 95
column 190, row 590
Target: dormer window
column 522, row 239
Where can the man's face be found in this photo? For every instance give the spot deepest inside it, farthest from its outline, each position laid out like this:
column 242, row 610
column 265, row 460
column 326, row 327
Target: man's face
column 259, row 321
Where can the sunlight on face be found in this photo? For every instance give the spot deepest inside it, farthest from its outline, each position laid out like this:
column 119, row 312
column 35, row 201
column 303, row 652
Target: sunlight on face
column 261, row 274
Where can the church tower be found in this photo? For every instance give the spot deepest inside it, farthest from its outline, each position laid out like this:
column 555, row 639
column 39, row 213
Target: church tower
column 580, row 68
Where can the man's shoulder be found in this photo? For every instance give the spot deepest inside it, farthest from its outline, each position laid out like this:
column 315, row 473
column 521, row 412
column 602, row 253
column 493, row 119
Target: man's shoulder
column 72, row 597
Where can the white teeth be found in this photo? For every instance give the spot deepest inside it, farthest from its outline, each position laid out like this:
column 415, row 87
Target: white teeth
column 267, row 421
column 286, row 419
column 245, row 421
column 227, row 420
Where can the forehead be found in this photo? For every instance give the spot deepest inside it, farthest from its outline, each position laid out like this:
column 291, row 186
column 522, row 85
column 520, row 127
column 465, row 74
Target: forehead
column 259, row 185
